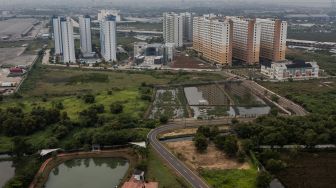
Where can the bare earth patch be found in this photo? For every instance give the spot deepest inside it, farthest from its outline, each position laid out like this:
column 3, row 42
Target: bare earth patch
column 212, row 159
column 187, row 131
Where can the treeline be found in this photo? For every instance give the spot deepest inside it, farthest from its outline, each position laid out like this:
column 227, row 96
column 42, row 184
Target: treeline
column 271, row 130
column 14, row 122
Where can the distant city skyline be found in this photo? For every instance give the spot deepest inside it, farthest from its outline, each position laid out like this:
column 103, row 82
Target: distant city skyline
column 311, row 3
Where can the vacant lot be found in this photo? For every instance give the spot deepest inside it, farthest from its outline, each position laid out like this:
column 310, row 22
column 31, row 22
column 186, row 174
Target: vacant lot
column 310, row 170
column 233, row 178
column 190, row 62
column 15, row 56
column 15, row 27
column 211, row 159
column 317, row 96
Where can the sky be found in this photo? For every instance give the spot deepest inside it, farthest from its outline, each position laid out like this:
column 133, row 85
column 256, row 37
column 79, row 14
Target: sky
column 126, row 2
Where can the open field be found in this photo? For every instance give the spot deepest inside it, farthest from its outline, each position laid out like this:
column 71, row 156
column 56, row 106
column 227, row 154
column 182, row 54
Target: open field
column 13, row 28
column 211, row 159
column 158, row 171
column 309, row 170
column 15, row 56
column 317, row 96
column 231, row 178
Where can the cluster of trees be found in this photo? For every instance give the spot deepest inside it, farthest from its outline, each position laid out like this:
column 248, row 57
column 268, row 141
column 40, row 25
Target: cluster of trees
column 146, row 91
column 14, row 122
column 227, row 143
column 269, row 130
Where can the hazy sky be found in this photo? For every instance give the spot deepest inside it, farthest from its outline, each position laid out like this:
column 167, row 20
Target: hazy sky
column 125, row 2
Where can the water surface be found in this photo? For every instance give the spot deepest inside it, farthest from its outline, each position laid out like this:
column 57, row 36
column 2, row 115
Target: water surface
column 88, row 173
column 7, row 171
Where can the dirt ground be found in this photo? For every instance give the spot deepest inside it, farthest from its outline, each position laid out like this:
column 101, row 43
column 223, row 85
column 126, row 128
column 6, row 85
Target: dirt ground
column 309, row 170
column 187, row 131
column 188, row 62
column 212, row 159
column 14, row 56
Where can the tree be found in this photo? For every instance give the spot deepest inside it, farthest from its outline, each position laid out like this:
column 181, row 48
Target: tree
column 275, row 166
column 89, row 98
column 214, row 131
column 201, row 142
column 275, row 98
column 163, row 119
column 116, row 108
column 309, row 137
column 204, row 131
column 263, row 179
column 231, row 145
column 20, row 146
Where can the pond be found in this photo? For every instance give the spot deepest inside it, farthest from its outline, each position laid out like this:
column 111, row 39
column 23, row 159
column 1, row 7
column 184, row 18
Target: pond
column 7, row 171
column 88, row 173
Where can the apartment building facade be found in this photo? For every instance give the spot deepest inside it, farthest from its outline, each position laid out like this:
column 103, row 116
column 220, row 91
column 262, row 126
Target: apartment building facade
column 173, row 28
column 108, row 38
column 85, row 34
column 68, row 42
column 246, row 40
column 273, row 39
column 57, row 35
column 212, row 39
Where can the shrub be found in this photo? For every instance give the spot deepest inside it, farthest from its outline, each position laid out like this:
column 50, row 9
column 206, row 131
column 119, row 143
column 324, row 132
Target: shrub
column 89, row 98
column 116, row 108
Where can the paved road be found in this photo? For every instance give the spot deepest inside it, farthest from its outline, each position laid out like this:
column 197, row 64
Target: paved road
column 174, row 162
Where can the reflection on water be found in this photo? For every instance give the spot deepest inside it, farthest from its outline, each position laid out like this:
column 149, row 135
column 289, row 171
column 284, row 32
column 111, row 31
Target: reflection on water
column 7, row 171
column 88, row 173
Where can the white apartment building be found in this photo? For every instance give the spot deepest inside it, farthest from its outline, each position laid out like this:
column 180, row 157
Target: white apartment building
column 273, row 39
column 173, row 28
column 57, row 35
column 108, row 38
column 103, row 13
column 290, row 69
column 212, row 39
column 246, row 40
column 68, row 43
column 85, row 34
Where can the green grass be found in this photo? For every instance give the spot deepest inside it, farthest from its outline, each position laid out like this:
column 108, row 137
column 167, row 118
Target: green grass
column 317, row 96
column 158, row 171
column 231, row 178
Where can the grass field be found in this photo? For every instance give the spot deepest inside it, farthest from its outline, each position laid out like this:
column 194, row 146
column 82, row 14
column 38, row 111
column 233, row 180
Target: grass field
column 317, row 96
column 231, row 178
column 158, row 171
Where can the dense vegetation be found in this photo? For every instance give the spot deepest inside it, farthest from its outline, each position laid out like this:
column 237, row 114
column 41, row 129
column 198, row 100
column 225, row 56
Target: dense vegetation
column 270, row 130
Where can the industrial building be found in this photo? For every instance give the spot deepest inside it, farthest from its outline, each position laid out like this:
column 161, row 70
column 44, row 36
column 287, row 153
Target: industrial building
column 212, row 39
column 153, row 54
column 103, row 13
column 108, row 38
column 246, row 40
column 290, row 70
column 85, row 35
column 273, row 39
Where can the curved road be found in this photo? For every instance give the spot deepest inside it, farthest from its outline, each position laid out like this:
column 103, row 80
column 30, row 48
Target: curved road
column 174, row 162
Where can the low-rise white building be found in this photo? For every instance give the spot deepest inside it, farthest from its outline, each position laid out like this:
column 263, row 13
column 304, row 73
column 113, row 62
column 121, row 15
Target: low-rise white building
column 290, row 69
